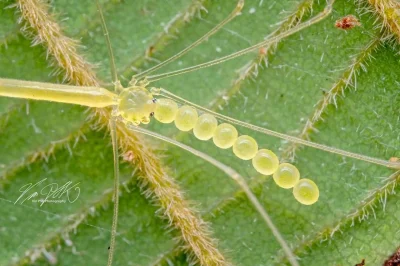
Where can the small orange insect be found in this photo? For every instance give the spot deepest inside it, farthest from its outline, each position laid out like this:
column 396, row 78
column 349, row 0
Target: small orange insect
column 347, row 22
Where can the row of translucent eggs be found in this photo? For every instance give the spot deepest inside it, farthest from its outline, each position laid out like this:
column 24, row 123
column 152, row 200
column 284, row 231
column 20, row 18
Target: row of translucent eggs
column 244, row 147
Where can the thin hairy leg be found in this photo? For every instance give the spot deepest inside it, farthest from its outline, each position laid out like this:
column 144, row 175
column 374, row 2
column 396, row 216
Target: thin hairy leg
column 316, row 19
column 231, row 16
column 114, row 139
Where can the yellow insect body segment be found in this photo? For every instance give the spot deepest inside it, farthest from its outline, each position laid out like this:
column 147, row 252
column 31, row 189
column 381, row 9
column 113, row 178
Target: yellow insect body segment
column 265, row 162
column 225, row 135
column 86, row 96
column 286, row 176
column 306, row 192
column 205, row 127
column 166, row 110
column 245, row 147
column 136, row 105
column 186, row 118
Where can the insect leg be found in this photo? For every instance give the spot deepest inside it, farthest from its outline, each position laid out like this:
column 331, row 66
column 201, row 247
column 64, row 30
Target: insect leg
column 389, row 164
column 231, row 16
column 114, row 139
column 316, row 19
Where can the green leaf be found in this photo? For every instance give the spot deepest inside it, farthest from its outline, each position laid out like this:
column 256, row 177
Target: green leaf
column 358, row 211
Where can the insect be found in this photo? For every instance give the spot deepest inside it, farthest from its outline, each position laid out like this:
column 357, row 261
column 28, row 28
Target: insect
column 348, row 22
column 167, row 110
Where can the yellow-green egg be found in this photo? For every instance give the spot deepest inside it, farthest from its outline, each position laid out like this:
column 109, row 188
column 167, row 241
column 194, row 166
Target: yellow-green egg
column 286, row 176
column 306, row 191
column 166, row 110
column 245, row 147
column 205, row 127
column 265, row 162
column 225, row 135
column 186, row 118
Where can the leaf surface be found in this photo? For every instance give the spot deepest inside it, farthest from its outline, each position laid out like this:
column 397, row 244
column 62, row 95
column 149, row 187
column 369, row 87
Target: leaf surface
column 358, row 211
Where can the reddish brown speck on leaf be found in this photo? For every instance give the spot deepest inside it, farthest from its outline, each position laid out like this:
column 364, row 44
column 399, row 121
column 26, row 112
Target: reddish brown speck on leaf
column 362, row 263
column 347, row 22
column 394, row 260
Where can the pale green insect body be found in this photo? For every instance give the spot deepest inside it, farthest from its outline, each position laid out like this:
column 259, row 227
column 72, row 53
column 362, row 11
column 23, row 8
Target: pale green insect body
column 136, row 105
